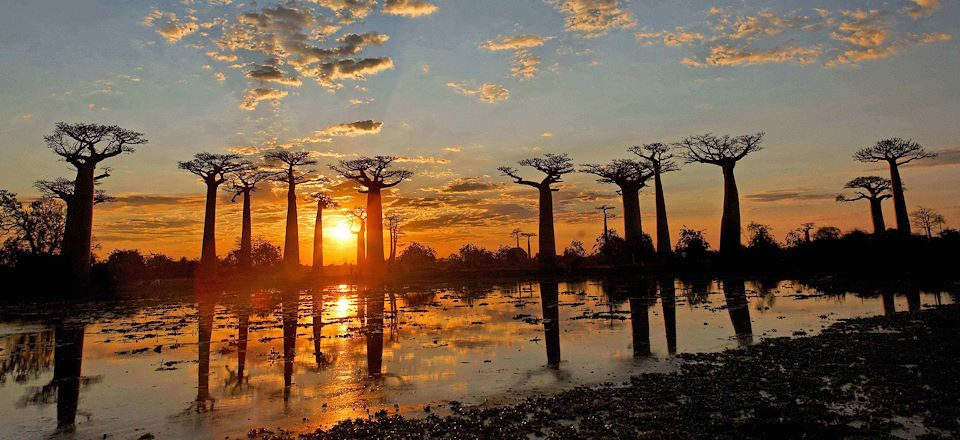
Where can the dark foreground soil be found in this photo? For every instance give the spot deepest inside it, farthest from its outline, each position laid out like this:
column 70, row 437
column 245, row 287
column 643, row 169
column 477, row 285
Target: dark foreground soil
column 895, row 376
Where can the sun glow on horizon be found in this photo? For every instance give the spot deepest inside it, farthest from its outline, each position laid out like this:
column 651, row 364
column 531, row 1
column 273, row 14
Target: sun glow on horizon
column 340, row 232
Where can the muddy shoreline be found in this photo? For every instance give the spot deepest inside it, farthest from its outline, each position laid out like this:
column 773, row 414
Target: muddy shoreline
column 878, row 377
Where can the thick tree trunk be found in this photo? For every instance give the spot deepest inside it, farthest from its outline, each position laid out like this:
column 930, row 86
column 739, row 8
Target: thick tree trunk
column 318, row 241
column 361, row 245
column 550, row 307
column 208, row 250
column 668, row 300
column 290, row 305
column 374, row 257
column 899, row 204
column 548, row 244
column 730, row 222
column 78, row 231
column 246, row 235
column 876, row 214
column 663, row 228
column 375, row 333
column 291, row 242
column 632, row 226
column 205, row 312
column 67, row 363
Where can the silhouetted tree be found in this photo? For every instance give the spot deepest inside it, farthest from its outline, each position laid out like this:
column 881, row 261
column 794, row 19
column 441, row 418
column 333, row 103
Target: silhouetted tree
column 873, row 189
column 691, row 243
column 528, row 235
column 214, row 169
column 288, row 163
column 373, row 174
column 554, row 166
column 243, row 183
column 895, row 152
column 926, row 219
column 660, row 160
column 630, row 176
column 606, row 216
column 761, row 237
column 393, row 226
column 323, row 202
column 805, row 229
column 62, row 189
column 360, row 216
column 574, row 255
column 84, row 146
column 724, row 151
column 516, row 233
column 825, row 233
column 36, row 229
column 417, row 255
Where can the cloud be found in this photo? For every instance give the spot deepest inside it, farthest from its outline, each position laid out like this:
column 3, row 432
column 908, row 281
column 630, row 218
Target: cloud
column 949, row 156
column 487, row 92
column 857, row 56
column 245, row 150
column 514, row 42
column 169, row 26
column 790, row 194
column 351, row 129
column 922, row 8
column 422, row 159
column 268, row 73
column 679, row 37
column 254, row 96
column 452, row 149
column 25, row 117
column 733, row 56
column 524, row 65
column 592, row 18
column 409, row 8
column 546, row 134
column 348, row 11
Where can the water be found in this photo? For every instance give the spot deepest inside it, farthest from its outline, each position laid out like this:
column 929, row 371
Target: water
column 217, row 364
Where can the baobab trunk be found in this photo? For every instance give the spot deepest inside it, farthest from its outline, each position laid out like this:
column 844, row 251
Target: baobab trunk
column 640, row 326
column 246, row 231
column 876, row 213
column 374, row 257
column 632, row 227
column 318, row 241
column 663, row 228
column 899, row 204
column 548, row 246
column 208, row 251
column 730, row 222
column 361, row 245
column 291, row 243
column 79, row 226
column 549, row 303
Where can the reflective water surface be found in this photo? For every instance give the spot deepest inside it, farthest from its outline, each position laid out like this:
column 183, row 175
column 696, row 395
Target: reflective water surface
column 219, row 363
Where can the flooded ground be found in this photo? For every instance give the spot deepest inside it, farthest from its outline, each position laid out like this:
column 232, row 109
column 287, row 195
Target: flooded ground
column 218, row 364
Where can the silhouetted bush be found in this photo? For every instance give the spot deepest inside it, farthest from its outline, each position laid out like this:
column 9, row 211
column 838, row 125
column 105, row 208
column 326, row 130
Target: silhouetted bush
column 417, row 255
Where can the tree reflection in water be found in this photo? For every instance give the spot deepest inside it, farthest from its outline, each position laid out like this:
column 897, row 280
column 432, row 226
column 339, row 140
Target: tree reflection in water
column 550, row 302
column 735, row 293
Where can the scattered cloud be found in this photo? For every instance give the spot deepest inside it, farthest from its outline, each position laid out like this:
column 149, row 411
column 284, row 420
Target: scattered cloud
column 422, row 160
column 351, row 129
column 25, row 117
column 922, row 8
column 254, row 96
column 733, row 56
column 949, row 156
column 452, row 149
column 244, row 150
column 169, row 26
column 524, row 64
column 409, row 8
column 790, row 194
column 546, row 134
column 487, row 92
column 593, row 18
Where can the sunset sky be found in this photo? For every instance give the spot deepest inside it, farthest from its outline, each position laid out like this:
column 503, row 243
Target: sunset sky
column 456, row 88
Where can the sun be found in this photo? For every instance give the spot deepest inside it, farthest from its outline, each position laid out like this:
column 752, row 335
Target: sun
column 340, row 232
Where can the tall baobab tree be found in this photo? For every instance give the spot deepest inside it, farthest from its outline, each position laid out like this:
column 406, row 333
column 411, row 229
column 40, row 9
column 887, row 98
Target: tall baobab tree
column 528, row 235
column 871, row 188
column 373, row 174
column 393, row 225
column 606, row 230
column 214, row 169
column 724, row 151
column 895, row 152
column 288, row 164
column 360, row 215
column 62, row 189
column 554, row 166
column 660, row 159
column 630, row 176
column 243, row 183
column 516, row 233
column 84, row 146
column 323, row 202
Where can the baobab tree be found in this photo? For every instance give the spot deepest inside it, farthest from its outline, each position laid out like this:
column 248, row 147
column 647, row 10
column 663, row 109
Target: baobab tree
column 554, row 166
column 85, row 146
column 873, row 189
column 723, row 151
column 895, row 152
column 214, row 169
column 373, row 174
column 323, row 202
column 926, row 219
column 515, row 233
column 606, row 216
column 360, row 216
column 393, row 226
column 243, row 183
column 630, row 176
column 62, row 189
column 287, row 164
column 659, row 158
column 528, row 235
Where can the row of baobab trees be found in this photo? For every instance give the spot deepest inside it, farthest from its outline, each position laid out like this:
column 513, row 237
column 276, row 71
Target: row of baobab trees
column 86, row 146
